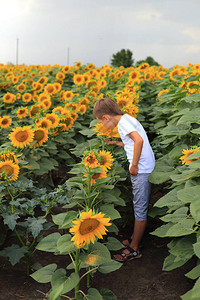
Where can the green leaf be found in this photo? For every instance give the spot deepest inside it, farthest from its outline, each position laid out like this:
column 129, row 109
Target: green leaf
column 64, row 244
column 162, row 230
column 35, row 225
column 183, row 248
column 187, row 194
column 110, row 211
column 87, row 132
column 113, row 244
column 93, row 294
column 64, row 219
column 194, row 273
column 98, row 254
column 178, row 215
column 14, row 253
column 183, row 227
column 49, row 243
column 196, row 247
column 62, row 284
column 10, row 220
column 171, row 264
column 193, row 293
column 170, row 199
column 44, row 274
column 108, row 294
column 195, row 208
column 109, row 267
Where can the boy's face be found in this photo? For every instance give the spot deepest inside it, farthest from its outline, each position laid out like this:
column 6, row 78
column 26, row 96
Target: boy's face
column 108, row 121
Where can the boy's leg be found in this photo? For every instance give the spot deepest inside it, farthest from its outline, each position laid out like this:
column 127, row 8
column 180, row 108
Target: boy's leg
column 141, row 191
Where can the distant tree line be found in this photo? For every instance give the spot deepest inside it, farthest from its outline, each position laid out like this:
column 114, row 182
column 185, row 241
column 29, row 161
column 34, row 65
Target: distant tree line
column 124, row 58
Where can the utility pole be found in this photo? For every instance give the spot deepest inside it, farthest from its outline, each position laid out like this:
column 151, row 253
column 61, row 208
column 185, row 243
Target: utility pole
column 68, row 56
column 17, row 52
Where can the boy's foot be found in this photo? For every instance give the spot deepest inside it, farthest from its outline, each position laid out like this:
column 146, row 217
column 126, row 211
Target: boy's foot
column 128, row 241
column 127, row 254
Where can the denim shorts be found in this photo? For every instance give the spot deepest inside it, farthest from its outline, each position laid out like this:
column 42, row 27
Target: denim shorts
column 141, row 188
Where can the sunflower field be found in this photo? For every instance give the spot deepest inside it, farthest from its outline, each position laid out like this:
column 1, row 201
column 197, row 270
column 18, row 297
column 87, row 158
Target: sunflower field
column 53, row 154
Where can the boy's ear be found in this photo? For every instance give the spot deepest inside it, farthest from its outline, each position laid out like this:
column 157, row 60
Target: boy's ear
column 106, row 117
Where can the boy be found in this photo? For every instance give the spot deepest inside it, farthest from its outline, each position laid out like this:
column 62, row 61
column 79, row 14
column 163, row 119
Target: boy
column 141, row 164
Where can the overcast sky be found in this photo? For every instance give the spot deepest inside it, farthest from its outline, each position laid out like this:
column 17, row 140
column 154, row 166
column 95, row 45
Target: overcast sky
column 167, row 30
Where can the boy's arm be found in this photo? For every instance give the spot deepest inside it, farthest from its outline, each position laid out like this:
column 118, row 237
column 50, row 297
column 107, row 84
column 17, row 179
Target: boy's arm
column 138, row 143
column 117, row 143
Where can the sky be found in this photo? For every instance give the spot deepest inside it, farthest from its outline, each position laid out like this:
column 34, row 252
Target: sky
column 91, row 31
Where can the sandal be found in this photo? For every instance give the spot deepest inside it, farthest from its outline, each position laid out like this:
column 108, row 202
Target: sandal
column 126, row 257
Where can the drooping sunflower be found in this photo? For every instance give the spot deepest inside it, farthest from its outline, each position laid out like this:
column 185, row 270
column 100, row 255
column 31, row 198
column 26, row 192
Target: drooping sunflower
column 11, row 170
column 68, row 121
column 21, row 136
column 22, row 112
column 5, row 156
column 91, row 161
column 35, row 109
column 162, row 92
column 96, row 176
column 46, row 104
column 101, row 130
column 58, row 109
column 105, row 159
column 81, row 109
column 88, row 227
column 40, row 136
column 187, row 153
column 5, row 122
column 44, row 96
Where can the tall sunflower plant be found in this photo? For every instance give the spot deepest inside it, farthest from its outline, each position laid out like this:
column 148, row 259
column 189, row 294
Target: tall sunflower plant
column 87, row 254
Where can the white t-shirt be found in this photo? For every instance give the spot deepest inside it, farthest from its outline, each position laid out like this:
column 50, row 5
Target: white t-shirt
column 126, row 125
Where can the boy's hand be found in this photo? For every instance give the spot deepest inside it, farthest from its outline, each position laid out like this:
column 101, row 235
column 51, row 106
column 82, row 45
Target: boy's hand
column 117, row 143
column 133, row 170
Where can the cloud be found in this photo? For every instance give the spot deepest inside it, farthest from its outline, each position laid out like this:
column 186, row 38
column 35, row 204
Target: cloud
column 148, row 15
column 192, row 32
column 193, row 49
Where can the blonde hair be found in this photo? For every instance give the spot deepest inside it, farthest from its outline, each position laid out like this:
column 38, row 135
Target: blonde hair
column 106, row 106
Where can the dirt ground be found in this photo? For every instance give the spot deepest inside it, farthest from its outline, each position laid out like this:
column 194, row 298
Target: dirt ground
column 141, row 279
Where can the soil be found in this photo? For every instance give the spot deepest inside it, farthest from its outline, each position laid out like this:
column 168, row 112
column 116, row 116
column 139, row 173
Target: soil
column 141, row 279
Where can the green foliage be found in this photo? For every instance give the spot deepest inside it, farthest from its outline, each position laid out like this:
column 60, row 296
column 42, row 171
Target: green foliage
column 122, row 58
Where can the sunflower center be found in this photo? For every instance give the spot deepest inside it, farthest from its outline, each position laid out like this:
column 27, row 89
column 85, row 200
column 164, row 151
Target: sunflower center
column 102, row 161
column 21, row 136
column 38, row 135
column 8, row 169
column 5, row 121
column 88, row 226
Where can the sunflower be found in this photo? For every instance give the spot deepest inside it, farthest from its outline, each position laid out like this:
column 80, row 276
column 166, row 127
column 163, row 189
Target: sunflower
column 84, row 101
column 96, row 176
column 68, row 95
column 43, row 80
column 9, row 98
column 162, row 92
column 27, row 97
column 188, row 153
column 68, row 121
column 105, row 159
column 58, row 86
column 58, row 109
column 44, row 96
column 66, row 69
column 9, row 156
column 91, row 161
column 101, row 130
column 11, row 169
column 82, row 109
column 5, row 122
column 44, row 123
column 78, row 64
column 46, row 104
column 21, row 136
column 78, row 79
column 35, row 109
column 50, row 88
column 88, row 227
column 54, row 119
column 40, row 136
column 60, row 128
column 21, row 87
column 60, row 75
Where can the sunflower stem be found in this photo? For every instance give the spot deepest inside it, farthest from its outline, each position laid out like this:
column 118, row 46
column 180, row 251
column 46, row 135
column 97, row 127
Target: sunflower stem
column 77, row 263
